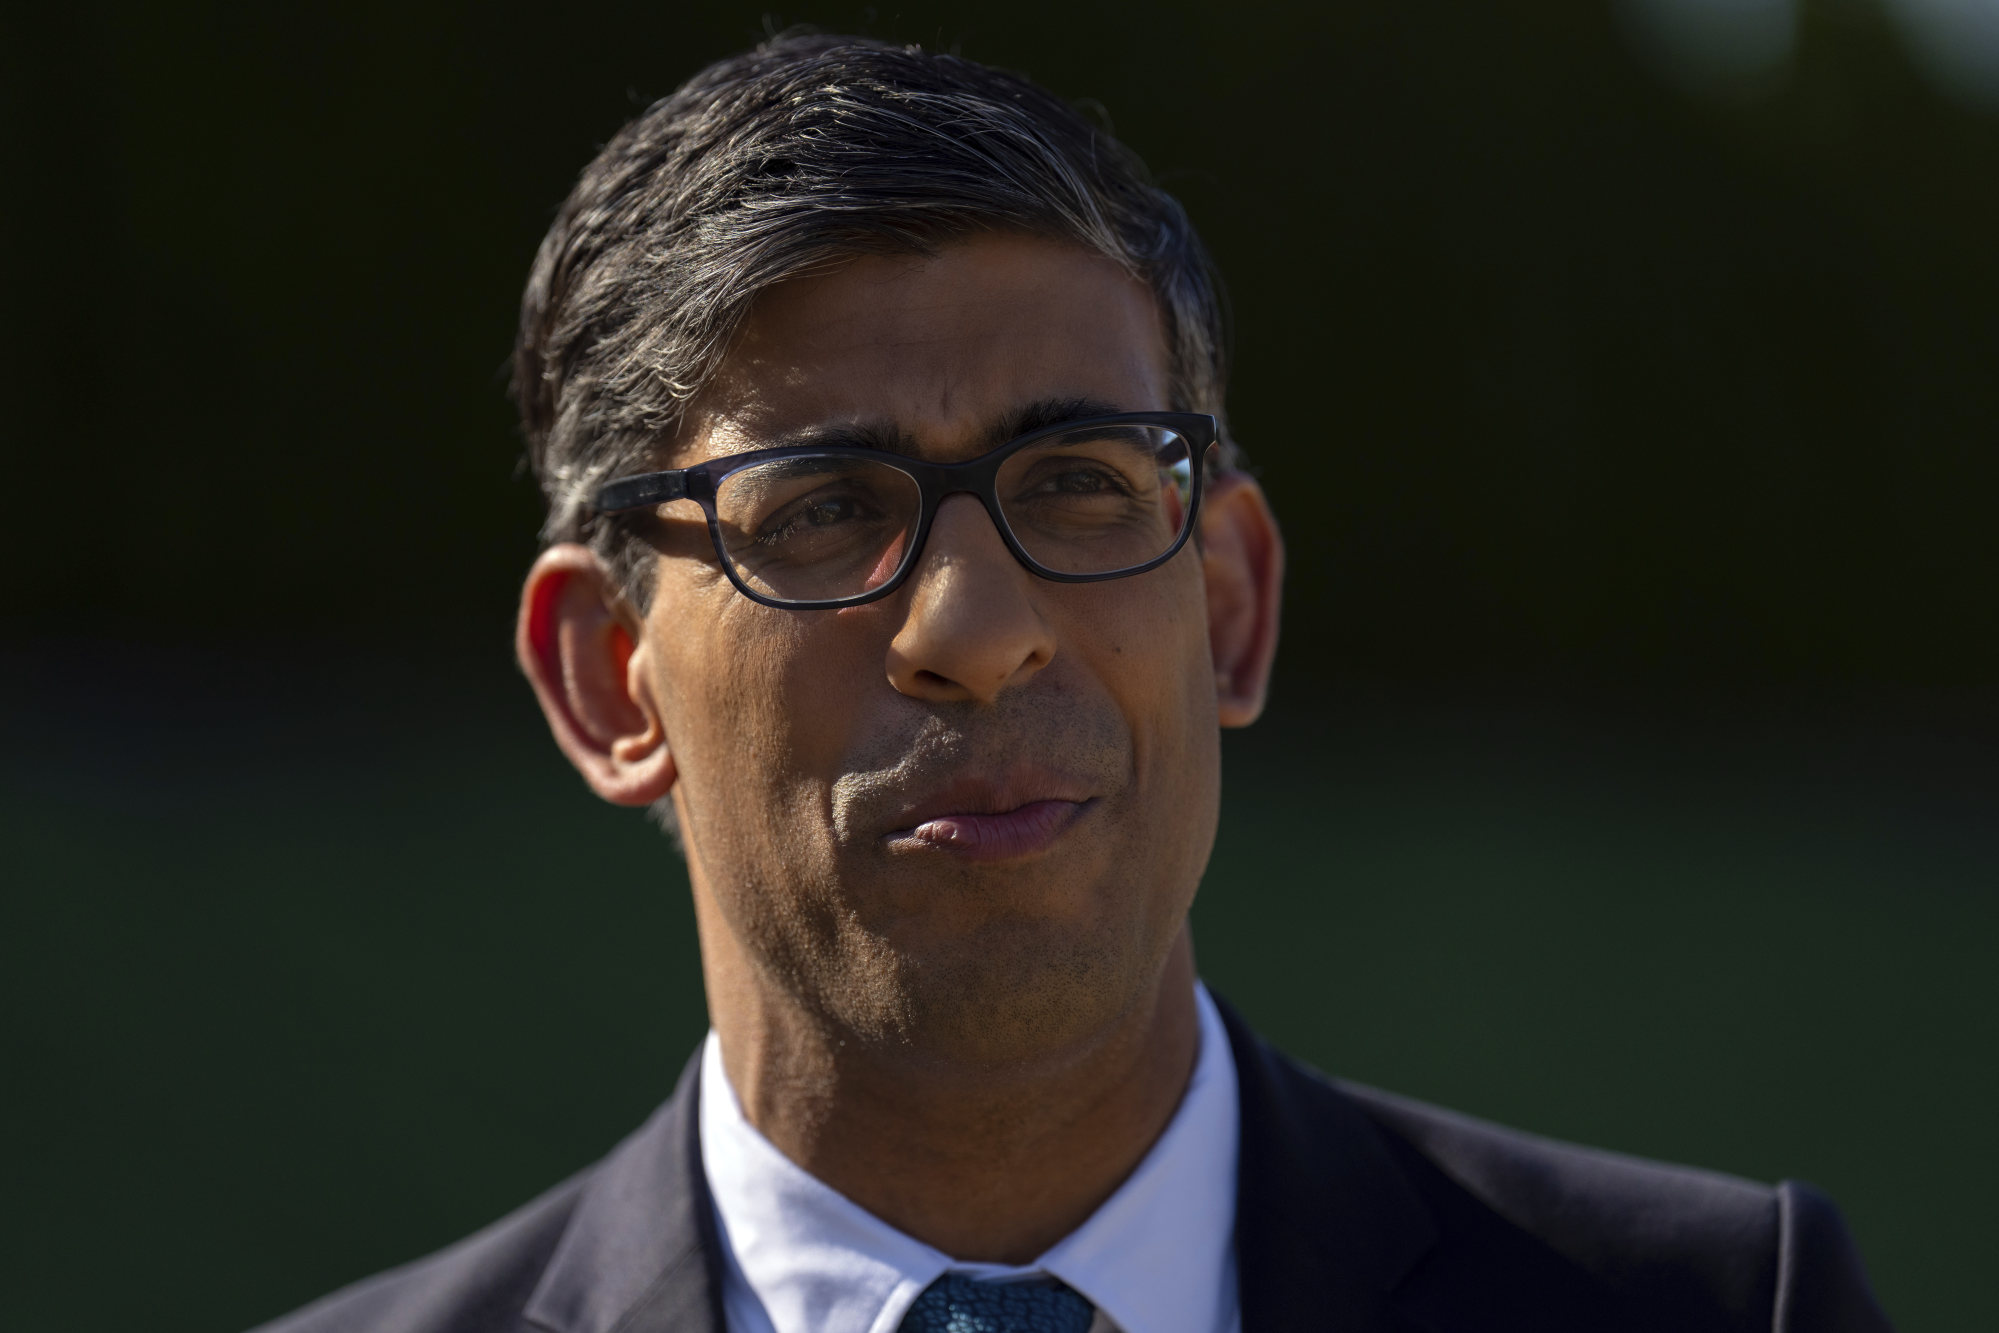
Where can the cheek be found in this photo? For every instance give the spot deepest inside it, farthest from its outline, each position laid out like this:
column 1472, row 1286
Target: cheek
column 752, row 699
column 1145, row 642
column 1178, row 745
column 1150, row 638
column 1167, row 692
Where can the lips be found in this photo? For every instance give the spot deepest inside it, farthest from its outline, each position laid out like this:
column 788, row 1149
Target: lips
column 981, row 820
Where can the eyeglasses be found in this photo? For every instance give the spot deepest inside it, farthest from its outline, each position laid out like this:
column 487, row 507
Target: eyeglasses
column 816, row 527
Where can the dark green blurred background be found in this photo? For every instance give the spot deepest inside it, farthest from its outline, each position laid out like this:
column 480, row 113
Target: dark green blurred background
column 1623, row 371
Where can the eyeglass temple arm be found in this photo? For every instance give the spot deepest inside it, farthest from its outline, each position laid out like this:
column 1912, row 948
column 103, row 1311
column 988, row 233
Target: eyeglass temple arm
column 653, row 488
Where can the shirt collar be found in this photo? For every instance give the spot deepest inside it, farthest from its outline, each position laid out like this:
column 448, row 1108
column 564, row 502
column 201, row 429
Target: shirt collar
column 1156, row 1257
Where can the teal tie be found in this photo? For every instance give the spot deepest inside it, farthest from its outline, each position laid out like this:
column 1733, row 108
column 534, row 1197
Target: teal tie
column 955, row 1303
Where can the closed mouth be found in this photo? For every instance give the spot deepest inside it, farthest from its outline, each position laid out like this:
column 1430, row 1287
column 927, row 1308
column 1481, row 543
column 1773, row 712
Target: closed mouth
column 984, row 820
column 999, row 836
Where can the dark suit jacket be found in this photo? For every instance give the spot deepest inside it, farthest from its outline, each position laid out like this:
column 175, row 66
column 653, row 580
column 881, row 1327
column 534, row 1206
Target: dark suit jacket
column 1357, row 1212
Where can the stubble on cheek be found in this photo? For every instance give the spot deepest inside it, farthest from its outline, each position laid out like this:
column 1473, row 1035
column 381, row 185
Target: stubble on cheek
column 759, row 740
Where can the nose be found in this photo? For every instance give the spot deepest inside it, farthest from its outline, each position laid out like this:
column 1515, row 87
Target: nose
column 972, row 627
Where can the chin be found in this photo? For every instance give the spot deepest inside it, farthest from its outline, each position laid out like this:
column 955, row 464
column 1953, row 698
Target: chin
column 1020, row 993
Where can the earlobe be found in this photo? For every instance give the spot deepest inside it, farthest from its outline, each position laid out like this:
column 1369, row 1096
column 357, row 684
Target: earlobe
column 1243, row 561
column 578, row 644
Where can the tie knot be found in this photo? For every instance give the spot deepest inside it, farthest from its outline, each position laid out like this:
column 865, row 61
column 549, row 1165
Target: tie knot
column 955, row 1303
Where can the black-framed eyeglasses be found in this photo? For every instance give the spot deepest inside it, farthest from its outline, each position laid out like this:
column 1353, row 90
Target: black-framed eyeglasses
column 816, row 527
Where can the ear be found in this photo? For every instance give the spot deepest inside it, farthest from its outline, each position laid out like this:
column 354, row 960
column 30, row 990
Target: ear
column 1242, row 556
column 576, row 640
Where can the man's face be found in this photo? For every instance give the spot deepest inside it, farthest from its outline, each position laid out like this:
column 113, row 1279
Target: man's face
column 832, row 764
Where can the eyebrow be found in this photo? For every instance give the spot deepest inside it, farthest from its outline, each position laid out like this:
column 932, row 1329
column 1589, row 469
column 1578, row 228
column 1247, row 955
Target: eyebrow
column 888, row 437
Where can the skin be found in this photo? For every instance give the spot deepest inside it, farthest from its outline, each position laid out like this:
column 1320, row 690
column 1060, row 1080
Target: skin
column 976, row 1050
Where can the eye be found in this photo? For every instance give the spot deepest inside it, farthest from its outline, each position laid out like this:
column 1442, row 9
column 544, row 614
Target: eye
column 1083, row 478
column 819, row 512
column 834, row 509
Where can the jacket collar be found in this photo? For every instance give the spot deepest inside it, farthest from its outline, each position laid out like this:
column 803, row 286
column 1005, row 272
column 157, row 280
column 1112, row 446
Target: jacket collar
column 640, row 1253
column 1327, row 1223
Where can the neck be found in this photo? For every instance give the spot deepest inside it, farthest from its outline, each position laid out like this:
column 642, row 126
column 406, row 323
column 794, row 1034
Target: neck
column 984, row 1164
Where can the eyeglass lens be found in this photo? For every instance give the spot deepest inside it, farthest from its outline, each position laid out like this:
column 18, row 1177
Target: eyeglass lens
column 824, row 527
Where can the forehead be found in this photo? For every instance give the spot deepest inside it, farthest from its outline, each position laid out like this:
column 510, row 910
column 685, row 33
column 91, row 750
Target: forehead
column 935, row 348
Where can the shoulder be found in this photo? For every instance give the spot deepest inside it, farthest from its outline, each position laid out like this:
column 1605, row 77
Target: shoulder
column 481, row 1283
column 1647, row 1228
column 1627, row 1203
column 1715, row 1250
column 629, row 1238
column 1456, row 1222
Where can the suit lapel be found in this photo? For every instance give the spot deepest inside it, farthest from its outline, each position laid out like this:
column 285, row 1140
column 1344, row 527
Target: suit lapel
column 1327, row 1224
column 640, row 1253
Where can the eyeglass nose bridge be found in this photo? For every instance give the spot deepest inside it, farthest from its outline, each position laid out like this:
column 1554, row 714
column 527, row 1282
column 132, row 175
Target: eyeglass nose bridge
column 938, row 482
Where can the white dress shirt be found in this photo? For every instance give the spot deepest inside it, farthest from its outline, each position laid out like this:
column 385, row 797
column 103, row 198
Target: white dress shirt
column 1157, row 1257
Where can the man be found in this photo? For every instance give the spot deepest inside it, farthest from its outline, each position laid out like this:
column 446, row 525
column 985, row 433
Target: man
column 897, row 558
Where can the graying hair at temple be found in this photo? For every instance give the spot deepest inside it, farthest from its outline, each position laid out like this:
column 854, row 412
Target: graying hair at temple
column 776, row 164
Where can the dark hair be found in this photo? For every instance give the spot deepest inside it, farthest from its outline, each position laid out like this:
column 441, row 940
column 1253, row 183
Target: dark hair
column 778, row 163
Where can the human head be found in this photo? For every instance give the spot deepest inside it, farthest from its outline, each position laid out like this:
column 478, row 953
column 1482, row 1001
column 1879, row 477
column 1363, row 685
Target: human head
column 962, row 251
column 777, row 163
